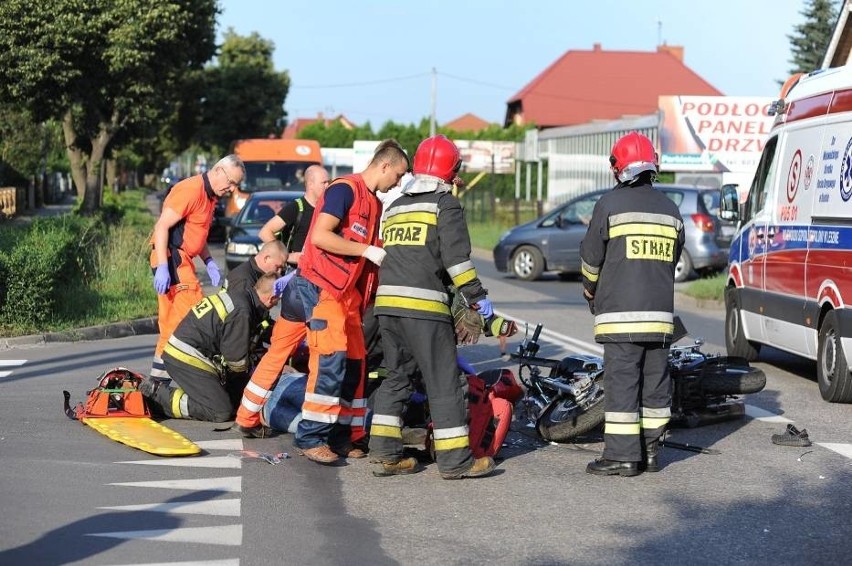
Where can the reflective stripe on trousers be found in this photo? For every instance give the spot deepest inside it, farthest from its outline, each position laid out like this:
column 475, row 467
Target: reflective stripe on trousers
column 638, row 397
column 286, row 336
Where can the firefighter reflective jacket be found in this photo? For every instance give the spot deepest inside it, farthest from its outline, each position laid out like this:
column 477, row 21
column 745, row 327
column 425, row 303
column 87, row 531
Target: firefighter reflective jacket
column 428, row 248
column 218, row 326
column 628, row 259
column 333, row 272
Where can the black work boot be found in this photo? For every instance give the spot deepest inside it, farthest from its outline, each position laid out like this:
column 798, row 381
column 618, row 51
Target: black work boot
column 651, row 464
column 604, row 467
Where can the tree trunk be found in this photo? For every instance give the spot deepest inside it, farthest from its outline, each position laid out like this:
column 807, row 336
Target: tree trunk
column 75, row 154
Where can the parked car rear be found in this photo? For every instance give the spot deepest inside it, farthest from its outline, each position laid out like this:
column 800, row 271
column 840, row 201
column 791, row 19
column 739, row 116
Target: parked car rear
column 552, row 242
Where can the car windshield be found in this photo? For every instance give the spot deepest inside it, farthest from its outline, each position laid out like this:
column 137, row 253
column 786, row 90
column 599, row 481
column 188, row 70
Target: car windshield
column 259, row 211
column 272, row 175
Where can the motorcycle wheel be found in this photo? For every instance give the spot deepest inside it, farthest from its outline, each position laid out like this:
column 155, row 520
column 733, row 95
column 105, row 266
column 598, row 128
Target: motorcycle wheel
column 734, row 380
column 564, row 420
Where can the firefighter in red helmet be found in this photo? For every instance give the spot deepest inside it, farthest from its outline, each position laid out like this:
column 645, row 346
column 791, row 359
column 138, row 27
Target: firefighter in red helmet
column 428, row 249
column 627, row 260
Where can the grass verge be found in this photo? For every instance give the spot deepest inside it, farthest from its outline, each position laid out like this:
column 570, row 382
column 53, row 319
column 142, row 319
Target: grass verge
column 708, row 288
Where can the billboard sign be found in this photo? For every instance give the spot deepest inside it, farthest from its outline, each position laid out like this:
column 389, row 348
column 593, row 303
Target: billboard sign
column 713, row 133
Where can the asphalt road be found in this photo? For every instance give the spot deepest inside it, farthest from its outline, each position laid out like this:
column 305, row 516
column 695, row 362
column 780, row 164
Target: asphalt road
column 71, row 496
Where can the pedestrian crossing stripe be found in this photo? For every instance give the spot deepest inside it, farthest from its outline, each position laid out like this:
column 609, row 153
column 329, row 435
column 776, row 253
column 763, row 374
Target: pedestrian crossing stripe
column 11, row 363
column 224, row 444
column 228, row 535
column 231, row 484
column 203, row 462
column 220, row 507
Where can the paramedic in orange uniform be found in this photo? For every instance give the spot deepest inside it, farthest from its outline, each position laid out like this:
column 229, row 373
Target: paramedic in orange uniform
column 180, row 235
column 336, row 277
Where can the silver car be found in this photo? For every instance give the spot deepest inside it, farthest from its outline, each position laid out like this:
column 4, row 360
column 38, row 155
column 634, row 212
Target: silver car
column 552, row 242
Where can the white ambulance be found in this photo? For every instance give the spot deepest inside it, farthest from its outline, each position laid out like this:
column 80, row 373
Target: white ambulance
column 790, row 265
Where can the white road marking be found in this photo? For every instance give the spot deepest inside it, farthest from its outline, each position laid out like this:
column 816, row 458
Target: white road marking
column 763, row 415
column 224, row 444
column 572, row 344
column 230, row 484
column 226, row 562
column 5, row 373
column 203, row 462
column 11, row 363
column 842, row 449
column 228, row 535
column 222, row 507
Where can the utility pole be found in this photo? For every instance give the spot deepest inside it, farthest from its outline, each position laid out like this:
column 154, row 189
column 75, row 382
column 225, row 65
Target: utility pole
column 434, row 101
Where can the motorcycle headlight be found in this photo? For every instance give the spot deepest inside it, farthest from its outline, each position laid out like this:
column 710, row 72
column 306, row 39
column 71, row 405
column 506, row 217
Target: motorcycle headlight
column 241, row 249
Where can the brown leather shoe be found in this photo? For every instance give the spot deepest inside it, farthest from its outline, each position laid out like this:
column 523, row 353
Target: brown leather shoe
column 401, row 468
column 349, row 451
column 321, row 454
column 480, row 467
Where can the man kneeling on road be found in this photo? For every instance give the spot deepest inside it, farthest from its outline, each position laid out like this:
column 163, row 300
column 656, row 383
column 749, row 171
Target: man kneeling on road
column 208, row 350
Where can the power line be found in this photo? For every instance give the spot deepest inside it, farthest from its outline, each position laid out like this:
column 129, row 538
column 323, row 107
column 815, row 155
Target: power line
column 363, row 83
column 482, row 83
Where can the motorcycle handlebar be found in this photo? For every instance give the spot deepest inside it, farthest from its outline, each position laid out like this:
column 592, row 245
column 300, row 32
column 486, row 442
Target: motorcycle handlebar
column 535, row 361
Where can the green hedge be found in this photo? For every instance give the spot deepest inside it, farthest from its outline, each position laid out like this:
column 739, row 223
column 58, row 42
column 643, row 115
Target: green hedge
column 46, row 260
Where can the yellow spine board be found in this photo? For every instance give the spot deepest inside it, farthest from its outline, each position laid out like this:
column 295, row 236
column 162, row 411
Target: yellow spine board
column 144, row 434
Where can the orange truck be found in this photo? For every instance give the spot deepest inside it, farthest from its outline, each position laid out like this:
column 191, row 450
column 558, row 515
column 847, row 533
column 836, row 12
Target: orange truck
column 272, row 164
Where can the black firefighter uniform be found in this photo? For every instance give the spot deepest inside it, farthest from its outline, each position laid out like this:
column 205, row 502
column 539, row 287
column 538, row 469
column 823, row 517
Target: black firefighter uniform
column 209, row 351
column 428, row 248
column 628, row 258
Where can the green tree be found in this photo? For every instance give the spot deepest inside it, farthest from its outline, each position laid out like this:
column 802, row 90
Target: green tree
column 243, row 95
column 810, row 39
column 99, row 66
column 335, row 134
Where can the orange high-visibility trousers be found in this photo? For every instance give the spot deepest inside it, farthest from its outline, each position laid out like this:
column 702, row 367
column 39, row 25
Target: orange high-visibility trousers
column 334, row 407
column 181, row 297
column 286, row 336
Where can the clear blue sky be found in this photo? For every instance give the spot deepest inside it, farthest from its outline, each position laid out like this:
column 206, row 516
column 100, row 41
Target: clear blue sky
column 371, row 60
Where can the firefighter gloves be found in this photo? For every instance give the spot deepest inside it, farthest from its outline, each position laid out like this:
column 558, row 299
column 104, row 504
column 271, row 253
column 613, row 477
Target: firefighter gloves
column 213, row 272
column 162, row 280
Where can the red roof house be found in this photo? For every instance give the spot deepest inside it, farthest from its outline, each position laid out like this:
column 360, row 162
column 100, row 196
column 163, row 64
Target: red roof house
column 467, row 123
column 293, row 128
column 582, row 86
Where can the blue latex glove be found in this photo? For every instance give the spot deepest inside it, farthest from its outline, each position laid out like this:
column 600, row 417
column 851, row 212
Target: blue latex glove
column 485, row 308
column 213, row 272
column 281, row 283
column 162, row 280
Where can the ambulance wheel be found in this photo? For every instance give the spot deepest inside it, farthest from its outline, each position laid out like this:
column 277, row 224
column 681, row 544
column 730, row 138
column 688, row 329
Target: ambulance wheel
column 835, row 381
column 683, row 269
column 735, row 340
column 564, row 420
column 527, row 263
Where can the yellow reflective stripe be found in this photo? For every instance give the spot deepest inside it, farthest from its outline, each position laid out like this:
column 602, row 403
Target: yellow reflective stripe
column 452, row 443
column 217, row 303
column 593, row 277
column 413, row 304
column 643, row 229
column 464, row 278
column 188, row 360
column 386, row 431
column 651, row 423
column 634, row 327
column 421, row 217
column 621, row 428
column 176, row 395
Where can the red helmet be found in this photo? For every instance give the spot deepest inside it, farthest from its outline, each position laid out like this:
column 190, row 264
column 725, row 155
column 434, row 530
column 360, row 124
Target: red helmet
column 632, row 154
column 437, row 156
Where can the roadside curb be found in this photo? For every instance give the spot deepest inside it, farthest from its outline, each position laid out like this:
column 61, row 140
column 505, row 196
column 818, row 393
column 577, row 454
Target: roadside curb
column 114, row 330
column 682, row 299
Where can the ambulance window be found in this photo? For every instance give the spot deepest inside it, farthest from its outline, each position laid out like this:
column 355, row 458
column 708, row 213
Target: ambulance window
column 763, row 179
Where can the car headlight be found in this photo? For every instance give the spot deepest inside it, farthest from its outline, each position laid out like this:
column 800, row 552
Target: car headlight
column 504, row 236
column 241, row 249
